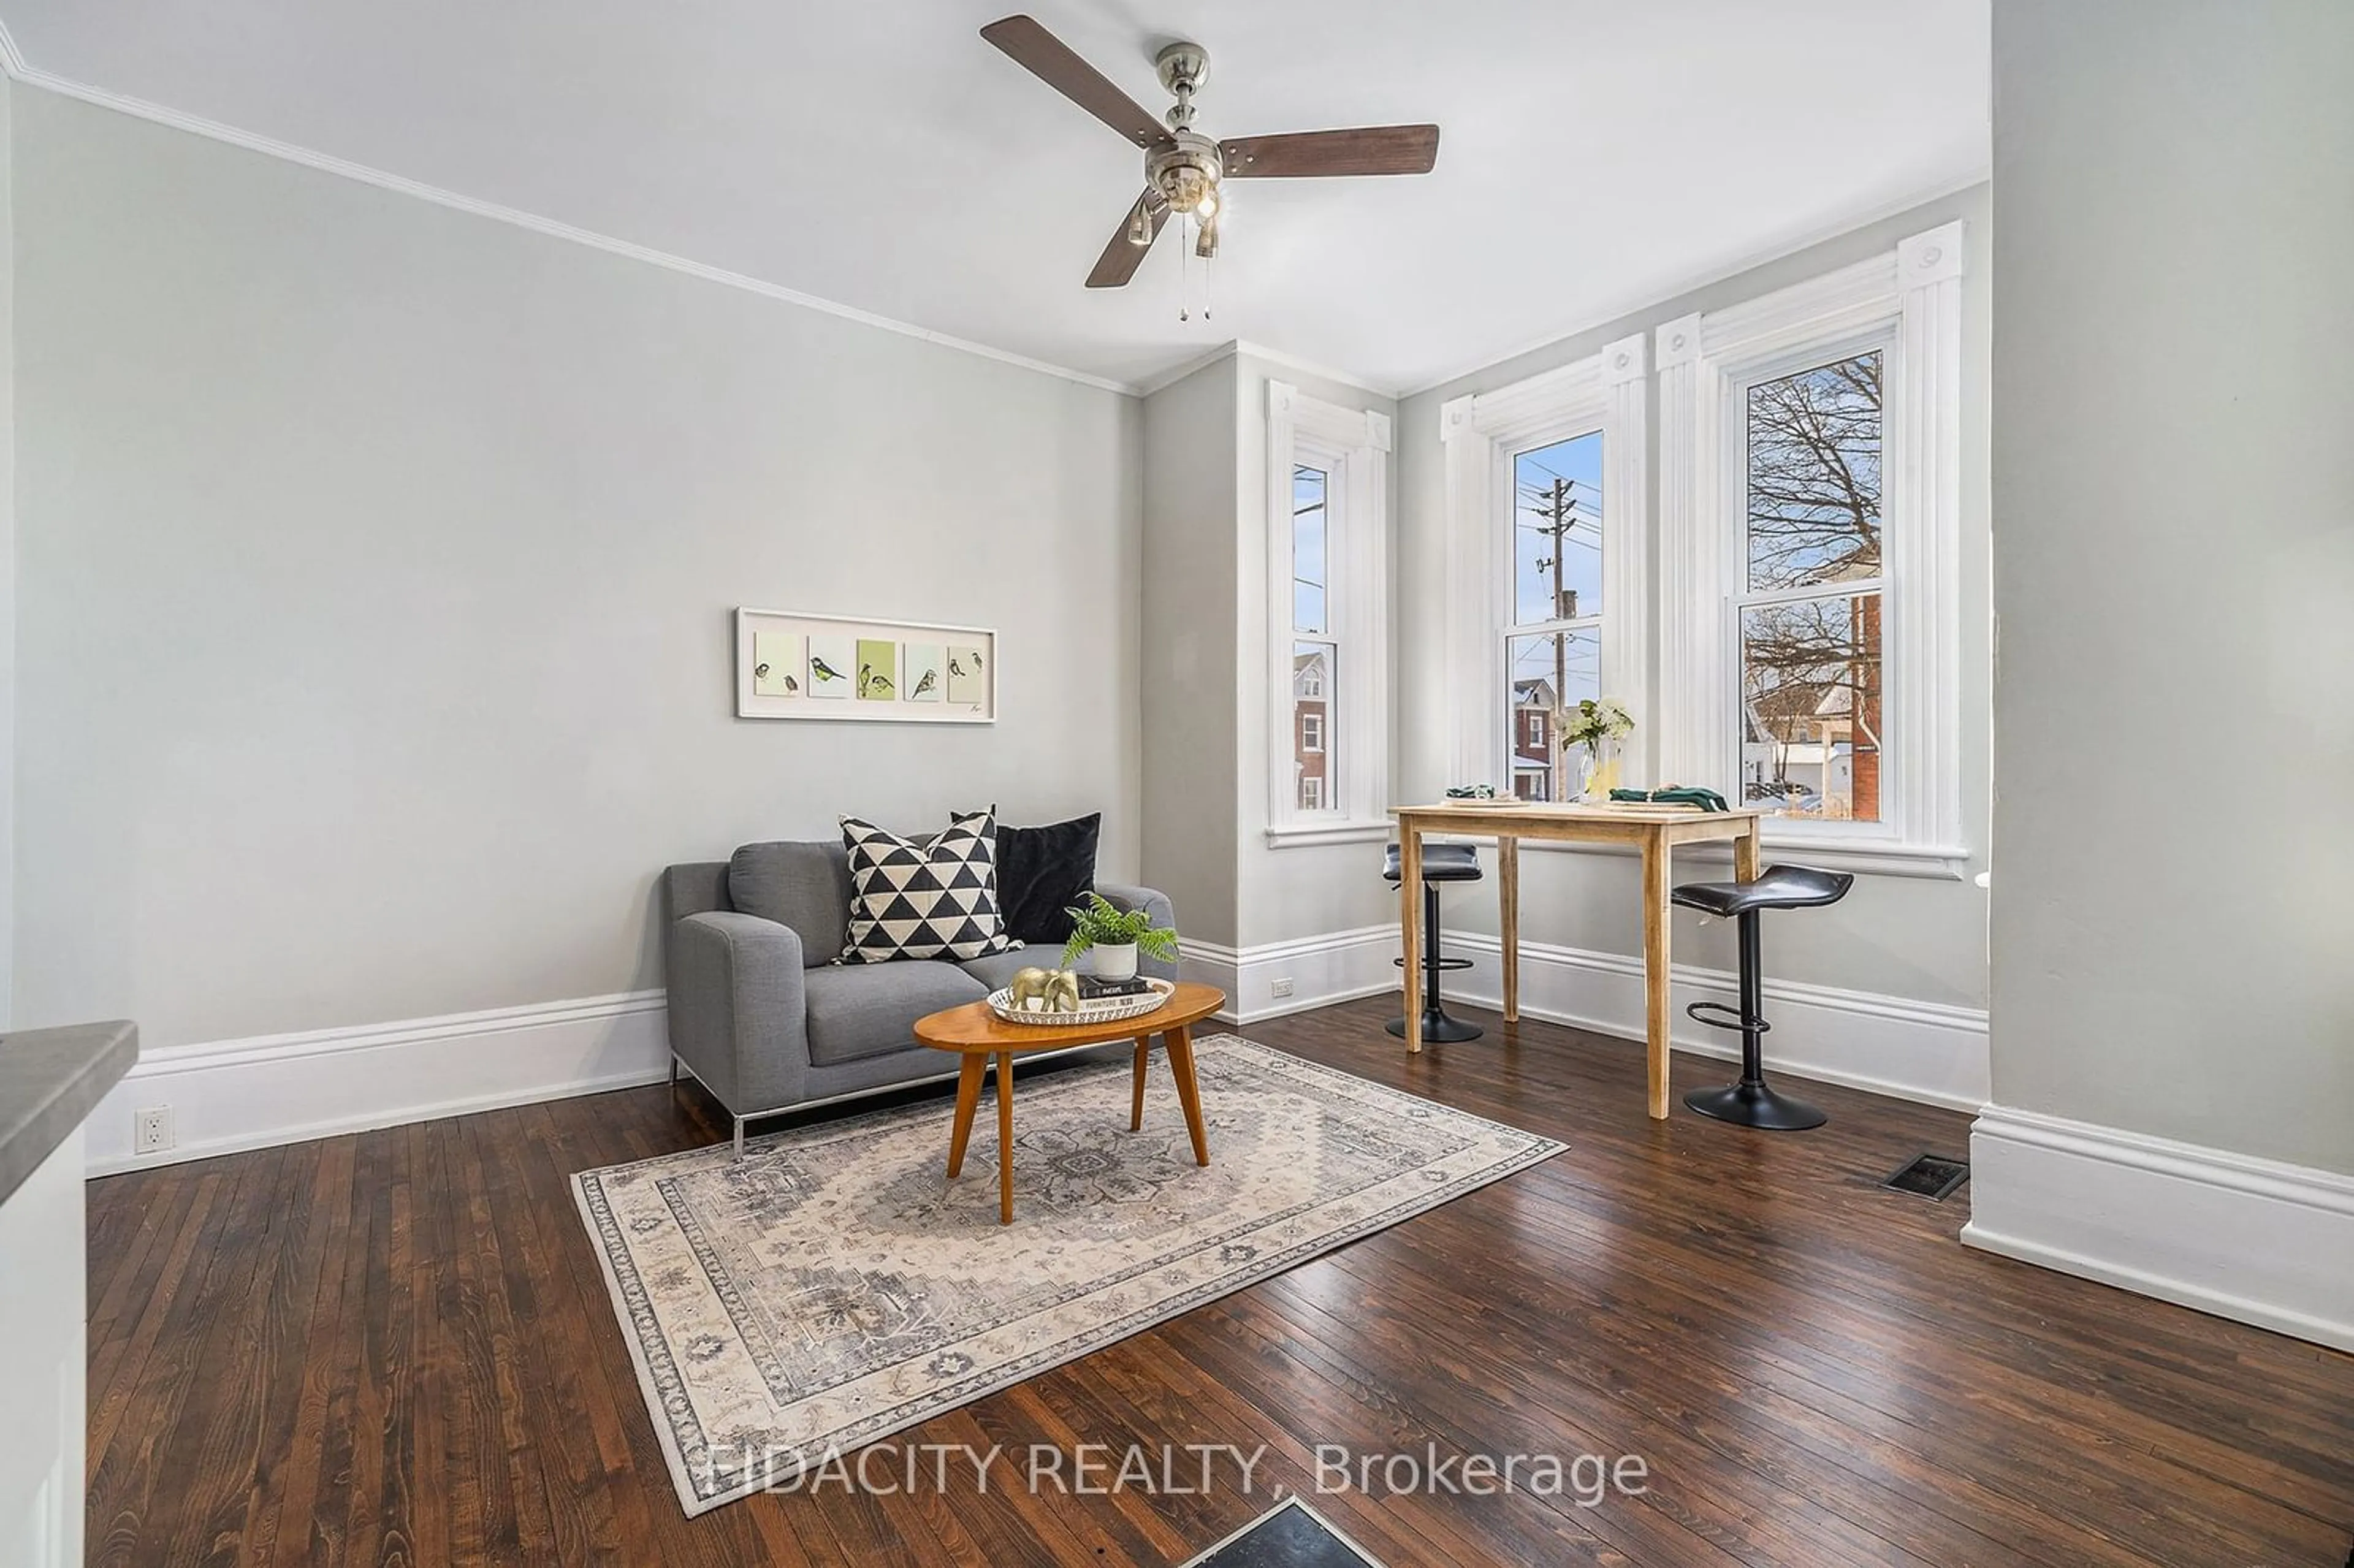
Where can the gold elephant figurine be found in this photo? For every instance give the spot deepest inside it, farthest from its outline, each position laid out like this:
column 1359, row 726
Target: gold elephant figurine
column 1057, row 991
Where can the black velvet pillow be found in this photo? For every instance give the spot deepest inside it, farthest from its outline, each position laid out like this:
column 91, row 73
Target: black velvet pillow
column 1041, row 871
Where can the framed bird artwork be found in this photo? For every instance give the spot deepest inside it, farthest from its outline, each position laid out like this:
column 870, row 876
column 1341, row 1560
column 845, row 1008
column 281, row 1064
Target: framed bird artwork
column 793, row 664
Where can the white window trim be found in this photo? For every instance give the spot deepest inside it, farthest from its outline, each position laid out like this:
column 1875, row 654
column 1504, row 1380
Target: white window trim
column 1907, row 302
column 1351, row 446
column 1605, row 392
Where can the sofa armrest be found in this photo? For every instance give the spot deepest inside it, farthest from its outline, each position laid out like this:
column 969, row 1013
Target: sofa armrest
column 1153, row 902
column 739, row 1017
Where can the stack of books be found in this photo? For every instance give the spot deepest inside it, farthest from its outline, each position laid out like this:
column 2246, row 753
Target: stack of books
column 1095, row 988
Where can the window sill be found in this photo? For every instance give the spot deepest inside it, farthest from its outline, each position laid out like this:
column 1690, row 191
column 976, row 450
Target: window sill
column 1866, row 857
column 1301, row 835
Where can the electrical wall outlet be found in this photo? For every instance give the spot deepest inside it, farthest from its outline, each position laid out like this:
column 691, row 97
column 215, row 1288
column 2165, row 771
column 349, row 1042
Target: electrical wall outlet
column 150, row 1129
column 1281, row 985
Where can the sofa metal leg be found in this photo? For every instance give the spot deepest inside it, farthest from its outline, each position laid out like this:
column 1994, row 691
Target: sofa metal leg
column 739, row 1138
column 674, row 1069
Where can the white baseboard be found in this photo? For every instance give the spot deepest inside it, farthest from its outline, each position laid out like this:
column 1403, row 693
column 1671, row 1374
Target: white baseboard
column 1891, row 1045
column 234, row 1094
column 1321, row 971
column 1922, row 1051
column 2253, row 1240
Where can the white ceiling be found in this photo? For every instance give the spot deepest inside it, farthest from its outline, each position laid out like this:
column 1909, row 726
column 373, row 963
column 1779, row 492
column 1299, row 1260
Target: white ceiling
column 1596, row 154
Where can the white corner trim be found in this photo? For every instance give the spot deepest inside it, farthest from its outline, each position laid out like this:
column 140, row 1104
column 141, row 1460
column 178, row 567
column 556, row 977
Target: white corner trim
column 1625, row 360
column 1679, row 342
column 213, row 130
column 12, row 58
column 2256, row 1241
column 232, row 1095
column 1335, row 967
column 1923, row 1050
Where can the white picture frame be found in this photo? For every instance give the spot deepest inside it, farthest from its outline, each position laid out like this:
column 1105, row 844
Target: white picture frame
column 963, row 689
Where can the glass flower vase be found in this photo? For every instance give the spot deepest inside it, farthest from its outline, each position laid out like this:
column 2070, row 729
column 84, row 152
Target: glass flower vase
column 1601, row 770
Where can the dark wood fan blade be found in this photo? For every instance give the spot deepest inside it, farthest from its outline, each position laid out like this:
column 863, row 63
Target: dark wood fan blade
column 1050, row 60
column 1123, row 256
column 1367, row 150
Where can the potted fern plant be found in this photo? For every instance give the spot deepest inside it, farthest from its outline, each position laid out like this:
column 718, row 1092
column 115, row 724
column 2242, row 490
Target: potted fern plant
column 1115, row 935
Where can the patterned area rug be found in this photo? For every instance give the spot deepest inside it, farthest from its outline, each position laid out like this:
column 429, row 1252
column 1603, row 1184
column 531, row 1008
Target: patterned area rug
column 834, row 1286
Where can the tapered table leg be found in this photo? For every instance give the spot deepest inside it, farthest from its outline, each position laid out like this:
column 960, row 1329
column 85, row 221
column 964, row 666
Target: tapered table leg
column 1136, row 1101
column 968, row 1096
column 1005, row 1137
column 1189, row 1093
column 1656, row 973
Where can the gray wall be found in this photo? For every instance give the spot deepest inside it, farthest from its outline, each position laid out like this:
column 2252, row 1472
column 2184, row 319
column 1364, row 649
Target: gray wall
column 1905, row 937
column 1188, row 618
column 1205, row 682
column 375, row 565
column 2174, row 476
column 7, row 551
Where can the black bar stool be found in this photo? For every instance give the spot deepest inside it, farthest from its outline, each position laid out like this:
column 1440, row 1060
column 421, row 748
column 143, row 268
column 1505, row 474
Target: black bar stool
column 1440, row 863
column 1750, row 1102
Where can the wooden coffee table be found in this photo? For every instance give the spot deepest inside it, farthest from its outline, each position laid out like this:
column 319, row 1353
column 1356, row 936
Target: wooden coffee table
column 979, row 1036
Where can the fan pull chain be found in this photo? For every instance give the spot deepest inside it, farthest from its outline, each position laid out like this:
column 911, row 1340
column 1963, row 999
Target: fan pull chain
column 1185, row 270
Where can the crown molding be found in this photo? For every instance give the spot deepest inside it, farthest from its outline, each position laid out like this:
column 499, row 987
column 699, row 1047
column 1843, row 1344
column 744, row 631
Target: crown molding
column 1650, row 299
column 12, row 62
column 1276, row 356
column 211, row 130
column 1238, row 348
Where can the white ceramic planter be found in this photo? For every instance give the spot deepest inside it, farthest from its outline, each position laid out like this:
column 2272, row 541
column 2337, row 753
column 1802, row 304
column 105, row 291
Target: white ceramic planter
column 1115, row 961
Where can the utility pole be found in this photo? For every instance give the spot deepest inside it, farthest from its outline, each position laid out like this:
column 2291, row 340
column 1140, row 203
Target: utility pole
column 1558, row 509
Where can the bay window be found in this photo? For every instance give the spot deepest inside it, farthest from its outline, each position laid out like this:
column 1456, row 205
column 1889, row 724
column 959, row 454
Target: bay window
column 1327, row 619
column 1545, row 484
column 1809, row 613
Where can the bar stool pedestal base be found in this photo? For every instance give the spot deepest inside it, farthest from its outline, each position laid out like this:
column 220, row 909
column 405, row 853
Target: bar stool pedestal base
column 1437, row 1028
column 1755, row 1104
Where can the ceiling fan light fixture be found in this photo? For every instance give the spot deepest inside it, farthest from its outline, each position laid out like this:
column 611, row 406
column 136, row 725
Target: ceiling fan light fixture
column 1187, row 187
column 1183, row 169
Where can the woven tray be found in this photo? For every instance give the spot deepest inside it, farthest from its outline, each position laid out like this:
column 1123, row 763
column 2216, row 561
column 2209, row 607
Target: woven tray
column 1104, row 1009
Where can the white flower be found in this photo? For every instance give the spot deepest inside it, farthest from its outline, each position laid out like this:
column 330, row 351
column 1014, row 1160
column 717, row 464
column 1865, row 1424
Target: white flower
column 1594, row 720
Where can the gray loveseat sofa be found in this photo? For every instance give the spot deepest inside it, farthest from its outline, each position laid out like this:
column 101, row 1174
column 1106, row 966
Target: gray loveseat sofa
column 761, row 1013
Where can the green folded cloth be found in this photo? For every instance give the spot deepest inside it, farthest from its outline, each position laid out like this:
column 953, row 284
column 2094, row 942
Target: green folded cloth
column 1681, row 795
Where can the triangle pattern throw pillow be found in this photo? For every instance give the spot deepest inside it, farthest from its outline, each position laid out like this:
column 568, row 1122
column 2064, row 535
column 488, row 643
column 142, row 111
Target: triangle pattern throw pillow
column 924, row 899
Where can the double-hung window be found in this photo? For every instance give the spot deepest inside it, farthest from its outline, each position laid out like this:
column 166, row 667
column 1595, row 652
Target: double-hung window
column 1327, row 617
column 1808, row 606
column 1809, row 450
column 1545, row 603
column 1553, row 635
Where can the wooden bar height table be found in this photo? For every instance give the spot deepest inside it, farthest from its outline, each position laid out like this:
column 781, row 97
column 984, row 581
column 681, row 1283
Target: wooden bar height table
column 1655, row 831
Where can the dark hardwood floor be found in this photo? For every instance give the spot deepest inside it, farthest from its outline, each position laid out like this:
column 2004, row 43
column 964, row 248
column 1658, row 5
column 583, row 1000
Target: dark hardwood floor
column 397, row 1347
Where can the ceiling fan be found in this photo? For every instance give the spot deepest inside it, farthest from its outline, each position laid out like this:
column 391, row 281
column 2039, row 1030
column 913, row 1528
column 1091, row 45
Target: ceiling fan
column 1182, row 168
